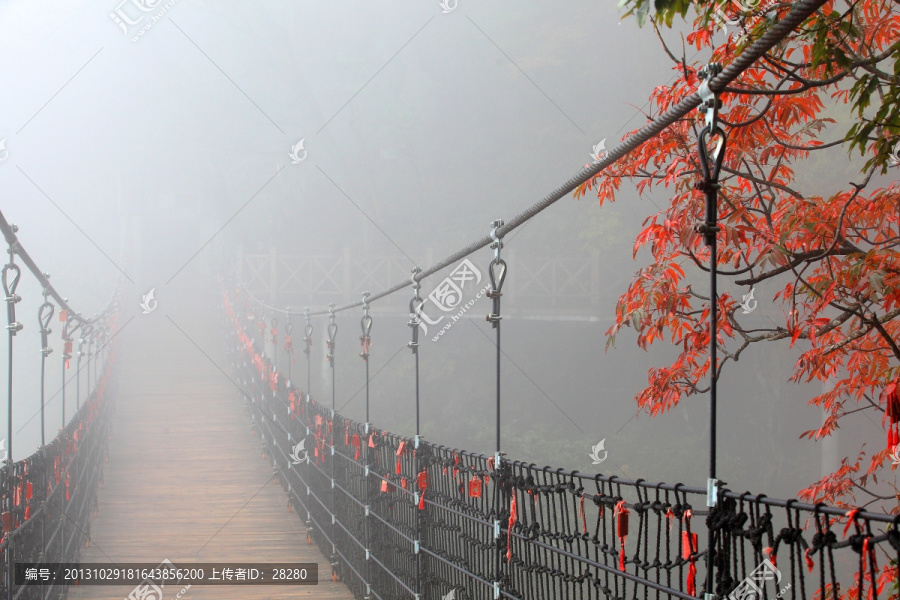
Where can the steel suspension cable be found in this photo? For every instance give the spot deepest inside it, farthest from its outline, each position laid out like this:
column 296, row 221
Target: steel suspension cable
column 799, row 12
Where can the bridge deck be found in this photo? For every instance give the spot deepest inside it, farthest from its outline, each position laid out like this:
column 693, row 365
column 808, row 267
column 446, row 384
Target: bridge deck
column 185, row 480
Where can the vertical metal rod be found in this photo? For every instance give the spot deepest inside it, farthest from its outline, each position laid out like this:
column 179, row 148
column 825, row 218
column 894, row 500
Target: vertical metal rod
column 43, row 361
column 712, row 401
column 332, row 333
column 365, row 341
column 77, row 379
column 418, row 525
column 9, row 469
column 63, row 421
column 710, row 186
column 415, row 306
column 365, row 454
column 307, row 340
column 497, row 272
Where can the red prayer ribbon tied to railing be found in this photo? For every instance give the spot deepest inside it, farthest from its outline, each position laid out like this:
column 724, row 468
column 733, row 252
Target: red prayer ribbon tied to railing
column 581, row 514
column 688, row 551
column 475, row 487
column 422, row 483
column 621, row 514
column 401, row 449
column 356, row 444
column 891, row 399
column 513, row 517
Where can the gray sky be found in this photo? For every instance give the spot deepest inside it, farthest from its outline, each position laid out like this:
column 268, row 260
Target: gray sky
column 126, row 158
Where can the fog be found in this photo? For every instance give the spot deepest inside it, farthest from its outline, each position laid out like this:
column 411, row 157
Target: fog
column 165, row 161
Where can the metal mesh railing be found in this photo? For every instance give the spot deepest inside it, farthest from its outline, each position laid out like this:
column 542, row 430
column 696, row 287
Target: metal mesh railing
column 55, row 494
column 461, row 527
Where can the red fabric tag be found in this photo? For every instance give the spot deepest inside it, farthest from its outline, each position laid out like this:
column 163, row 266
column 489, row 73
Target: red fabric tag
column 688, row 544
column 474, row 488
column 513, row 517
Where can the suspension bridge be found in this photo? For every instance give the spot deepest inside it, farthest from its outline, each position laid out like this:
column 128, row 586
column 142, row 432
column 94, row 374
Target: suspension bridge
column 214, row 457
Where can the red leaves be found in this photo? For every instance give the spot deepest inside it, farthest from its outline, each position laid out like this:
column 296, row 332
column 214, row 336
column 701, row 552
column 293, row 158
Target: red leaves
column 835, row 258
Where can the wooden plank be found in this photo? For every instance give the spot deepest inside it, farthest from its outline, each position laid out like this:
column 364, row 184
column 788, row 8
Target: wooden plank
column 186, row 480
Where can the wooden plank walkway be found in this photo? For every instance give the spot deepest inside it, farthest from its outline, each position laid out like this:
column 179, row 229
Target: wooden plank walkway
column 186, row 480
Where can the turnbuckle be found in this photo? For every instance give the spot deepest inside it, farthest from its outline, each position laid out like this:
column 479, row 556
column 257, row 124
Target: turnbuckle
column 497, row 273
column 366, row 325
column 415, row 308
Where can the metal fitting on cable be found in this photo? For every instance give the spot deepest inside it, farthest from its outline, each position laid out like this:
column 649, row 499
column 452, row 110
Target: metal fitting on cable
column 365, row 323
column 709, row 185
column 45, row 314
column 497, row 272
column 12, row 298
column 332, row 332
column 308, row 333
column 415, row 309
column 11, row 277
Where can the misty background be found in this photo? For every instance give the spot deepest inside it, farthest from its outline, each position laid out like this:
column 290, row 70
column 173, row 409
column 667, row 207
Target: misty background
column 155, row 162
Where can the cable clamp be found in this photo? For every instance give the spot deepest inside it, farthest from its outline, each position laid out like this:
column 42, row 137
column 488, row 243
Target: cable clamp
column 709, row 100
column 712, row 491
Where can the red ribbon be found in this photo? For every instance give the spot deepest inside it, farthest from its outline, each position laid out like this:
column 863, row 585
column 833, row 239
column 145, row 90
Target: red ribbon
column 621, row 514
column 513, row 517
column 581, row 513
column 422, row 482
column 688, row 549
column 891, row 400
column 356, row 444
column 869, row 549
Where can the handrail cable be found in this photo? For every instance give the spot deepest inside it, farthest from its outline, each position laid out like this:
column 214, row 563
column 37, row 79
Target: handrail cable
column 16, row 246
column 798, row 13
